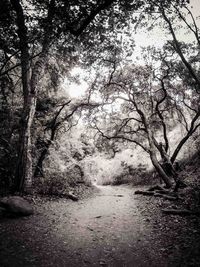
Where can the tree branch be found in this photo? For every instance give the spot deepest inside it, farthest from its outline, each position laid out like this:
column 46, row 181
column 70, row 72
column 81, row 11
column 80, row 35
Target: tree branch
column 178, row 48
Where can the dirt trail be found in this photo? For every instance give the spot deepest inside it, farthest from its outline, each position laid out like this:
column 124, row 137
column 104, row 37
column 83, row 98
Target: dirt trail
column 109, row 229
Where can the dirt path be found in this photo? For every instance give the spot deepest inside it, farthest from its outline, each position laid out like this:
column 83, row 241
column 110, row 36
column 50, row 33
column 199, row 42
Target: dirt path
column 112, row 228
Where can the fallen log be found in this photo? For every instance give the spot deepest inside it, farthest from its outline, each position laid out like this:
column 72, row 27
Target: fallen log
column 180, row 212
column 144, row 193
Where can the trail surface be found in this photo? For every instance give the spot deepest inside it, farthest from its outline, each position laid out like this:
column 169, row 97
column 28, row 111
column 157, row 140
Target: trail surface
column 112, row 228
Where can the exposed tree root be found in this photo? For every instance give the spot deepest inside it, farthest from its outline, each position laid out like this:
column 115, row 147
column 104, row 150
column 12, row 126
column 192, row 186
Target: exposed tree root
column 163, row 193
column 156, row 187
column 165, row 196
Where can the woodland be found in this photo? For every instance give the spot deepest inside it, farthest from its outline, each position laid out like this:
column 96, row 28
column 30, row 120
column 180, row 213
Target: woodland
column 132, row 111
column 99, row 95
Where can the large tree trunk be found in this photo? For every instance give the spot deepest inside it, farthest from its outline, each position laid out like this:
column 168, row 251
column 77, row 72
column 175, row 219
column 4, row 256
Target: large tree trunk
column 23, row 176
column 24, row 164
column 24, row 171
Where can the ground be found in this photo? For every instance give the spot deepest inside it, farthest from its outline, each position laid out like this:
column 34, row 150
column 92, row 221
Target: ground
column 113, row 227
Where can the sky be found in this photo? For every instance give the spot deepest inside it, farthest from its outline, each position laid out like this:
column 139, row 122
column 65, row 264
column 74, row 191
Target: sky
column 156, row 37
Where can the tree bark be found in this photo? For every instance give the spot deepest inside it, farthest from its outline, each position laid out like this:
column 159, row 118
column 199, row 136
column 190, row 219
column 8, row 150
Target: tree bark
column 23, row 175
column 155, row 162
column 39, row 165
column 24, row 171
column 160, row 170
column 167, row 165
column 24, row 150
column 152, row 147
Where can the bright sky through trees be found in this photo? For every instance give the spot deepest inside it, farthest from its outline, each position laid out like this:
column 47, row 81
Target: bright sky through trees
column 75, row 89
column 142, row 38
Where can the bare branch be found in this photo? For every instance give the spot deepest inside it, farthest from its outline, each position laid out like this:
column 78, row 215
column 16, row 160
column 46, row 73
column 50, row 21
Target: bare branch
column 160, row 115
column 118, row 137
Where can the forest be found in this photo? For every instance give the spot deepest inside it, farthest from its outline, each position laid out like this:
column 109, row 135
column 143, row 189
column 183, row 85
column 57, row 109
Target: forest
column 100, row 98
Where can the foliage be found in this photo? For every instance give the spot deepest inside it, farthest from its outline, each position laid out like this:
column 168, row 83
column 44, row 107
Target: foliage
column 126, row 167
column 64, row 167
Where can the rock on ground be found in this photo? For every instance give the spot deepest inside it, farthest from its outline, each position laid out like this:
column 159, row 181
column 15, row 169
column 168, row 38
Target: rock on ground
column 16, row 205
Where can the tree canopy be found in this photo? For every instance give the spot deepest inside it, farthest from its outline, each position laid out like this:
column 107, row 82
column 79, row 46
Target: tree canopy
column 41, row 41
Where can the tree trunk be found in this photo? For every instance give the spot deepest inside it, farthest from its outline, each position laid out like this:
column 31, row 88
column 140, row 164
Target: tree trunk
column 39, row 165
column 24, row 164
column 167, row 165
column 160, row 170
column 24, row 168
column 155, row 162
column 23, row 177
column 30, row 79
column 54, row 126
column 179, row 147
column 152, row 149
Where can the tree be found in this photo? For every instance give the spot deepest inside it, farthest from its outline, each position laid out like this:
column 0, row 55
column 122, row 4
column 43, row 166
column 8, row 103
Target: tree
column 26, row 47
column 181, row 97
column 62, row 117
column 178, row 46
column 57, row 20
column 151, row 103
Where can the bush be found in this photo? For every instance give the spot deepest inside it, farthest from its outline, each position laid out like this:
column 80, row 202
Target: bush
column 57, row 182
column 61, row 172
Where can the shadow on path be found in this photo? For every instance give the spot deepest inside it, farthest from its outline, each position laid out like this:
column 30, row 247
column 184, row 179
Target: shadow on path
column 108, row 229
